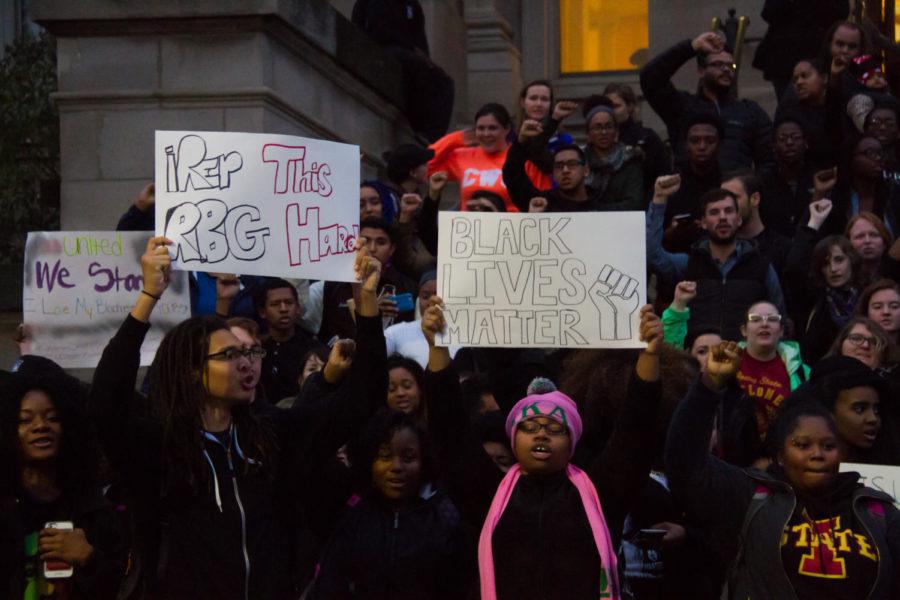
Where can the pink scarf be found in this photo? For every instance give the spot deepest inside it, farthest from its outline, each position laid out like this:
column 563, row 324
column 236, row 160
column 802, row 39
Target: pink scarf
column 609, row 579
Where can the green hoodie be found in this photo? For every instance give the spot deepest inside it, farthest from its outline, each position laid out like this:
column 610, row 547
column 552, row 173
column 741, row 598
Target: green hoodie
column 675, row 330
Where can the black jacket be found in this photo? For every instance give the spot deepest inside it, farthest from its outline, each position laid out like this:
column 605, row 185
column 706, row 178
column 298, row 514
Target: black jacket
column 618, row 473
column 746, row 511
column 239, row 536
column 783, row 205
column 748, row 129
column 521, row 190
column 722, row 302
column 378, row 553
column 796, row 31
column 656, row 161
column 21, row 516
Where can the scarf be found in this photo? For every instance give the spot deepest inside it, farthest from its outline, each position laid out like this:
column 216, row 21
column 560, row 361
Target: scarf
column 609, row 581
column 841, row 304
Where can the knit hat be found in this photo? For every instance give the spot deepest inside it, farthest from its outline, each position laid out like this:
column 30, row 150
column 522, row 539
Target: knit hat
column 864, row 66
column 553, row 405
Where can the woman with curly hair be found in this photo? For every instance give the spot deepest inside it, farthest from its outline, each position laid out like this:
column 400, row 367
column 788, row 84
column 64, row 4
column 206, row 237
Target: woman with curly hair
column 48, row 473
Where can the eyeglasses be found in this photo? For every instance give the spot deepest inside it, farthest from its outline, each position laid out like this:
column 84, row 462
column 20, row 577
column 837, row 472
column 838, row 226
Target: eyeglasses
column 873, row 153
column 722, row 65
column 602, row 127
column 755, row 318
column 567, row 164
column 858, row 339
column 231, row 354
column 552, row 428
column 876, row 122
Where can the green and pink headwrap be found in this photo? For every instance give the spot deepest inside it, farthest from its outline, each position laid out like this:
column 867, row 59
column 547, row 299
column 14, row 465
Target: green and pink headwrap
column 559, row 407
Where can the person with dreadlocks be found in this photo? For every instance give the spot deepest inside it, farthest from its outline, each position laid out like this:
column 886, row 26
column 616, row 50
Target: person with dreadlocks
column 212, row 486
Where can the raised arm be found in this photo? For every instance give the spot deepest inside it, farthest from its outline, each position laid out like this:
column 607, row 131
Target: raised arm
column 668, row 266
column 467, row 471
column 675, row 317
column 111, row 404
column 518, row 184
column 656, row 83
column 620, row 471
column 712, row 492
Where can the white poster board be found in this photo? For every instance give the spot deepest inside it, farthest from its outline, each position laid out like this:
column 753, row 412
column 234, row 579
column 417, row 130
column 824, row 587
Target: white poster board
column 883, row 478
column 78, row 288
column 258, row 204
column 548, row 280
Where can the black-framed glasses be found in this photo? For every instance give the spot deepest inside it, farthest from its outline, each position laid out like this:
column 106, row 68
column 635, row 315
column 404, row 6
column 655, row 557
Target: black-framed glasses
column 757, row 318
column 858, row 339
column 722, row 65
column 567, row 164
column 552, row 428
column 232, row 353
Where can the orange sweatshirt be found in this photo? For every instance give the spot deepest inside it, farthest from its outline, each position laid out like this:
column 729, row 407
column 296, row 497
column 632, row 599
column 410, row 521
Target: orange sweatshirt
column 475, row 169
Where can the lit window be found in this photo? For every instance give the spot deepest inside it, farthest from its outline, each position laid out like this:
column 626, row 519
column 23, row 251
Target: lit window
column 602, row 35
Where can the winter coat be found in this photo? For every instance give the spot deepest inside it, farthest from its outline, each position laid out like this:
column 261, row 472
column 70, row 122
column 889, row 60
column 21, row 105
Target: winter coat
column 238, row 536
column 747, row 510
column 748, row 129
column 379, row 553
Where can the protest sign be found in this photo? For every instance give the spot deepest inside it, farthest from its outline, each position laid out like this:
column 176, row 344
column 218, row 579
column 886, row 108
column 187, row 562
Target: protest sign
column 78, row 288
column 883, row 478
column 258, row 204
column 549, row 280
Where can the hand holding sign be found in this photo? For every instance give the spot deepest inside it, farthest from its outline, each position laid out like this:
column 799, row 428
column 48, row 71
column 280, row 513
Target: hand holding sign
column 651, row 329
column 433, row 323
column 615, row 296
column 156, row 265
column 433, row 320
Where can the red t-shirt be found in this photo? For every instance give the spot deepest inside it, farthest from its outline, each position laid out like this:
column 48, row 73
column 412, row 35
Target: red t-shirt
column 767, row 383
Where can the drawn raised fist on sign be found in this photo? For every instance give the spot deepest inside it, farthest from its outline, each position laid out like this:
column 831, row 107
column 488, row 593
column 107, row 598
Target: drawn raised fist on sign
column 616, row 298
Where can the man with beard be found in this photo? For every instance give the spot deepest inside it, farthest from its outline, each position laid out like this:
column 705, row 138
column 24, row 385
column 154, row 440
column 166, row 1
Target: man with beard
column 730, row 273
column 748, row 129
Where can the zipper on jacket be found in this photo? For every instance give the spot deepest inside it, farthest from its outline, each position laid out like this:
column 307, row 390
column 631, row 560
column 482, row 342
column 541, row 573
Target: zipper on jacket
column 240, row 505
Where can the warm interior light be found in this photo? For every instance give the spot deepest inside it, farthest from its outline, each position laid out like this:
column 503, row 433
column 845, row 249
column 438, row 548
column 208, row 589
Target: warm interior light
column 602, row 35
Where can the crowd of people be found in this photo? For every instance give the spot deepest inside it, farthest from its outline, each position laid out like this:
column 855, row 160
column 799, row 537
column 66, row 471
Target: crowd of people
column 311, row 439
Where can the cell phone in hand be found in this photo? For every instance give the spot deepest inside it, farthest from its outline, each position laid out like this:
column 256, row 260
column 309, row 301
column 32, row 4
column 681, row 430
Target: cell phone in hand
column 57, row 569
column 683, row 218
column 404, row 302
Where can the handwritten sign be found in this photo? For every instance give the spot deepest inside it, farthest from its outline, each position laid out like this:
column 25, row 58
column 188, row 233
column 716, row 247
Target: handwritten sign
column 883, row 478
column 80, row 285
column 258, row 204
column 542, row 280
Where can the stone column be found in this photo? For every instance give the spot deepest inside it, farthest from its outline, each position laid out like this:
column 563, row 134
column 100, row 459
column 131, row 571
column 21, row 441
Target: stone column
column 127, row 69
column 494, row 60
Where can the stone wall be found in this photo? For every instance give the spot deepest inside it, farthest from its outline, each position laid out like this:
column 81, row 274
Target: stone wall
column 127, row 69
